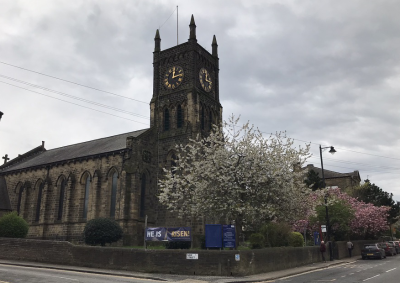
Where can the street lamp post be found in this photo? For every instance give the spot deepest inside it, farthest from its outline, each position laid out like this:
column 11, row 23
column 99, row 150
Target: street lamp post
column 331, row 151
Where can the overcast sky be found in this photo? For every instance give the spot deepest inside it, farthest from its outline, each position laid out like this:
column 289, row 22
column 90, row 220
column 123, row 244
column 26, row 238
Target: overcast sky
column 327, row 72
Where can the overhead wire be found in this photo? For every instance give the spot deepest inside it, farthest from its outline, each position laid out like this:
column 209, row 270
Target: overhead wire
column 73, row 103
column 370, row 169
column 309, row 142
column 74, row 97
column 373, row 169
column 167, row 19
column 138, row 115
column 71, row 82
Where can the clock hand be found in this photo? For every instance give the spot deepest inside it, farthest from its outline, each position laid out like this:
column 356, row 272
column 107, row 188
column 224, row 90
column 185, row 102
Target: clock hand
column 175, row 76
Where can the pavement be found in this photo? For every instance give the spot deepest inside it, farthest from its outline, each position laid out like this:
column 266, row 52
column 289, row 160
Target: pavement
column 270, row 276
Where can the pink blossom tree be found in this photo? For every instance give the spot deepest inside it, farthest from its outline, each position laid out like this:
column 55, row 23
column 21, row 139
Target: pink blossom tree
column 367, row 220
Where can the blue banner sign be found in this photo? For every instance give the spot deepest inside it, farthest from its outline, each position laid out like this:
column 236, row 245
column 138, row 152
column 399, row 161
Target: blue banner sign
column 213, row 236
column 156, row 234
column 179, row 234
column 229, row 234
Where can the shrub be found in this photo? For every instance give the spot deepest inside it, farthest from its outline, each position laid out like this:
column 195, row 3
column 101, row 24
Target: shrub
column 296, row 239
column 256, row 241
column 276, row 234
column 13, row 226
column 101, row 231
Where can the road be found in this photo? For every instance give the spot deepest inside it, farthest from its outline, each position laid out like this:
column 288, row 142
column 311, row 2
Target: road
column 16, row 274
column 370, row 271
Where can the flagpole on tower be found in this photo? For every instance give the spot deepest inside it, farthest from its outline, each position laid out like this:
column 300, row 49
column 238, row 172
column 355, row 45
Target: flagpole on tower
column 177, row 38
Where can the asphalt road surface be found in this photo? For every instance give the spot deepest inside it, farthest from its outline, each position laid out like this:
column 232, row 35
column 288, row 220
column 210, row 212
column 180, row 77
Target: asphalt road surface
column 370, row 271
column 16, row 274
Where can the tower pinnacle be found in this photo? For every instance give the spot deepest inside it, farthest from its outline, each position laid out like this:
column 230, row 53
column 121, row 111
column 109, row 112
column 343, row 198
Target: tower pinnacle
column 192, row 27
column 214, row 46
column 157, row 42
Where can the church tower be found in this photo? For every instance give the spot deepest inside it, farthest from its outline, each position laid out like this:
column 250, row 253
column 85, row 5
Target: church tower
column 185, row 101
column 185, row 88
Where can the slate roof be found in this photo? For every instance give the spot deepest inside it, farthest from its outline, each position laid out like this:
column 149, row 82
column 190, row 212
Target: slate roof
column 94, row 147
column 332, row 174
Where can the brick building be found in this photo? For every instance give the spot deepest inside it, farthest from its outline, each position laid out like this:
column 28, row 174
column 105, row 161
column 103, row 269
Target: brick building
column 344, row 181
column 58, row 190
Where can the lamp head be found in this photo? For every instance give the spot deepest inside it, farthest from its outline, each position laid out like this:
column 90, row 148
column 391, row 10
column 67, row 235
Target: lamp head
column 1, row 114
column 332, row 150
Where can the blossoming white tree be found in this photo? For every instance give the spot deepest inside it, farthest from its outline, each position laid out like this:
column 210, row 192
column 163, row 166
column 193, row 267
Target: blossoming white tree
column 237, row 174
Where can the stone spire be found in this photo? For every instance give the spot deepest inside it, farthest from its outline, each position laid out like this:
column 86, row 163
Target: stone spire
column 157, row 42
column 192, row 27
column 214, row 46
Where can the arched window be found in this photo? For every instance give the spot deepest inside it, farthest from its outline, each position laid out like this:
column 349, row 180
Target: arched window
column 61, row 200
column 86, row 202
column 39, row 201
column 166, row 119
column 202, row 118
column 21, row 190
column 113, row 194
column 179, row 117
column 143, row 196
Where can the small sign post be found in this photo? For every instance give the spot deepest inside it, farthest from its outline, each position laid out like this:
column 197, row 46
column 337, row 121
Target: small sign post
column 192, row 256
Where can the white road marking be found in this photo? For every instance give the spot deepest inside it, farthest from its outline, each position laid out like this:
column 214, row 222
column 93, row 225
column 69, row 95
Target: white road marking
column 63, row 278
column 370, row 277
column 391, row 269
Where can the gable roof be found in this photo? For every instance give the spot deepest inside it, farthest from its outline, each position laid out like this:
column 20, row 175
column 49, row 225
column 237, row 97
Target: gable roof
column 40, row 156
column 332, row 174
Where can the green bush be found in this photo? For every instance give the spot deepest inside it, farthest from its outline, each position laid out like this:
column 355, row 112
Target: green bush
column 296, row 239
column 276, row 234
column 100, row 231
column 13, row 226
column 256, row 241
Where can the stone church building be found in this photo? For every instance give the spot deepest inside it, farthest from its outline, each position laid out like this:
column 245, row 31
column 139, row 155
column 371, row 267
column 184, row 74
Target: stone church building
column 345, row 181
column 58, row 190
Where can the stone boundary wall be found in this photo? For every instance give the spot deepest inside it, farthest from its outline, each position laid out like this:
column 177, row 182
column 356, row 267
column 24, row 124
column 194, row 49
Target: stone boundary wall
column 209, row 262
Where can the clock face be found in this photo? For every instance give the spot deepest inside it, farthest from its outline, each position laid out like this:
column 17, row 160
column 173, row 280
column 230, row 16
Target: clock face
column 173, row 77
column 205, row 80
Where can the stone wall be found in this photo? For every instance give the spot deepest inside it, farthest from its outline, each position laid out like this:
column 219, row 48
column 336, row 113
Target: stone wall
column 211, row 262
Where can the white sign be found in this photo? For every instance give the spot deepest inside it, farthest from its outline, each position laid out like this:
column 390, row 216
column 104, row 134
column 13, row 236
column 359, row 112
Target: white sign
column 192, row 256
column 323, row 228
column 237, row 257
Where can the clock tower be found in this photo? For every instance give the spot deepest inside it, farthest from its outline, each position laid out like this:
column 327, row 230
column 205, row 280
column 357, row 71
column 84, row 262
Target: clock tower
column 185, row 102
column 185, row 88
